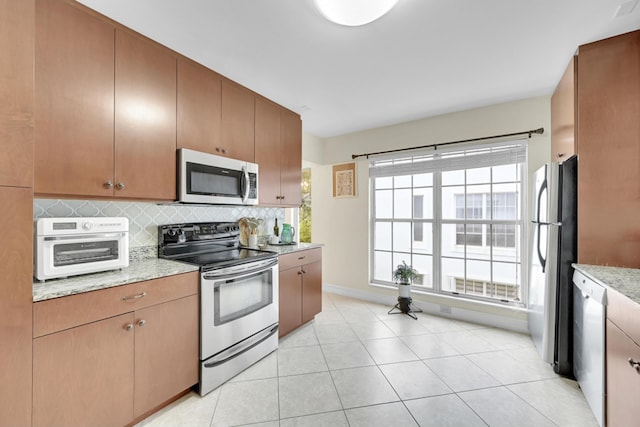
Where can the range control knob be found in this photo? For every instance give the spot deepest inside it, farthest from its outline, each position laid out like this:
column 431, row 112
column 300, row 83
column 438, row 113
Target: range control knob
column 87, row 226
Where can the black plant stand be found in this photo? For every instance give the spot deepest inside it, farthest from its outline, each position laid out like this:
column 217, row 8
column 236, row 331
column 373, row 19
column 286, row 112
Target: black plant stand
column 404, row 307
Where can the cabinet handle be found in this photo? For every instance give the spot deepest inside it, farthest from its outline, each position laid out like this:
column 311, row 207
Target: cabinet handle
column 301, row 257
column 128, row 327
column 108, row 184
column 141, row 322
column 304, row 271
column 634, row 364
column 300, row 273
column 560, row 155
column 120, row 186
column 134, row 296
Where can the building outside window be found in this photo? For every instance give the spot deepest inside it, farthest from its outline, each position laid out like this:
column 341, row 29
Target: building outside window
column 455, row 216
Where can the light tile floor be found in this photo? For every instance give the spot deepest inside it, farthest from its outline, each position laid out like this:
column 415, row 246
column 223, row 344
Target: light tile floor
column 356, row 365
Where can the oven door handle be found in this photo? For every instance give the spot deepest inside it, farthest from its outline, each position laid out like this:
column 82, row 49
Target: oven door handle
column 264, row 266
column 83, row 237
column 241, row 348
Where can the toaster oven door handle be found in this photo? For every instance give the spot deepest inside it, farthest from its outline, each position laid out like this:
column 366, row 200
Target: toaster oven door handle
column 84, row 236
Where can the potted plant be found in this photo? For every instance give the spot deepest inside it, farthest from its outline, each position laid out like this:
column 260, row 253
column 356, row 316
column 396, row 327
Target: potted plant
column 403, row 275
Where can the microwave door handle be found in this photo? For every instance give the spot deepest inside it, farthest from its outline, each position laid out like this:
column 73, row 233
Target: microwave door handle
column 245, row 184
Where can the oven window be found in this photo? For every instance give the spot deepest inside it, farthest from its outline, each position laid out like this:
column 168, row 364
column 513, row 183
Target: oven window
column 209, row 180
column 236, row 298
column 81, row 253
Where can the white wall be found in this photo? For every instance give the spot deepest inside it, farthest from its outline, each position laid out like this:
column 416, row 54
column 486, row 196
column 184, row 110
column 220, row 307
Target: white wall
column 342, row 225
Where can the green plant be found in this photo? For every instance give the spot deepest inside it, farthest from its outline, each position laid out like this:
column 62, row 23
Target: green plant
column 404, row 274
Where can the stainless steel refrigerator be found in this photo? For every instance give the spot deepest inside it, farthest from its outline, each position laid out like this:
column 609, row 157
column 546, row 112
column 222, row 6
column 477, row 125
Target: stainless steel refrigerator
column 553, row 233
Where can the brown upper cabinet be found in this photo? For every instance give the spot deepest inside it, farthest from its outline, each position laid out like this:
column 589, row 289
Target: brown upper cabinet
column 199, row 107
column 609, row 151
column 563, row 114
column 237, row 122
column 279, row 154
column 145, row 119
column 74, row 81
column 105, row 108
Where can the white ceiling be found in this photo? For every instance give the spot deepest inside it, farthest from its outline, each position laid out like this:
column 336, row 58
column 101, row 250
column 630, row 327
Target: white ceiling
column 426, row 57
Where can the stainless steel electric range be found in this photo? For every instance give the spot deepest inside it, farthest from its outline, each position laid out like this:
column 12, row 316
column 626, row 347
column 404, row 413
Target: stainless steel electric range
column 238, row 296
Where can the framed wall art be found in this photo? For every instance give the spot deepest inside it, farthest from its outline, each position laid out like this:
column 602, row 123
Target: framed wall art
column 344, row 180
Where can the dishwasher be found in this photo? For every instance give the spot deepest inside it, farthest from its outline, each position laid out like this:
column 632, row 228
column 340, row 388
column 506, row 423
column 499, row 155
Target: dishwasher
column 589, row 310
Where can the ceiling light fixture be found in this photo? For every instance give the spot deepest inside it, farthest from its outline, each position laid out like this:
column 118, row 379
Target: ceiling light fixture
column 354, row 13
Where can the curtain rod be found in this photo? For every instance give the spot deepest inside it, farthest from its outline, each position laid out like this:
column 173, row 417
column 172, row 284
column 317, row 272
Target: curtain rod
column 538, row 131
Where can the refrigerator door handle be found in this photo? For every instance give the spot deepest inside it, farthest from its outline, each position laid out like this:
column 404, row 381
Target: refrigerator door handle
column 543, row 261
column 541, row 191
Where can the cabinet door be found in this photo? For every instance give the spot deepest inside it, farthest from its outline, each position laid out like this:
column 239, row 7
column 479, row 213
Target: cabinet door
column 238, row 114
column 15, row 306
column 16, row 85
column 84, row 376
column 623, row 381
column 563, row 115
column 145, row 119
column 311, row 290
column 291, row 163
column 74, row 87
column 166, row 356
column 268, row 151
column 199, row 105
column 290, row 300
column 609, row 149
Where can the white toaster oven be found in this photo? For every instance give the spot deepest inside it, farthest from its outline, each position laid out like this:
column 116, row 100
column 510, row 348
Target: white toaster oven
column 71, row 246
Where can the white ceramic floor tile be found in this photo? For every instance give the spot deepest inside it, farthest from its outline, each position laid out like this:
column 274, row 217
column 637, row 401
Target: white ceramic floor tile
column 499, row 407
column 405, row 326
column 467, row 342
column 329, row 419
column 558, row 399
column 307, row 394
column 439, row 324
column 502, row 339
column 265, row 368
column 460, row 374
column 330, row 334
column 303, row 336
column 329, row 318
column 389, row 414
column 443, row 411
column 346, row 355
column 358, row 315
column 429, row 346
column 301, row 360
column 507, row 369
column 362, row 387
column 189, row 411
column 412, row 380
column 371, row 330
column 389, row 350
column 247, row 402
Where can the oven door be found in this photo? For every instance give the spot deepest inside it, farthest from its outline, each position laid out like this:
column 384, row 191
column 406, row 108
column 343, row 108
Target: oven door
column 62, row 256
column 237, row 302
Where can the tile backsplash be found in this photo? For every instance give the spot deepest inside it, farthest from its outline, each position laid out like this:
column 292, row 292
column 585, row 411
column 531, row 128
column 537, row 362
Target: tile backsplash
column 144, row 218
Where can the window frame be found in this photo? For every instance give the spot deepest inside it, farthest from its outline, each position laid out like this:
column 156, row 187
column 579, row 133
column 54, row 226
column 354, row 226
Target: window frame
column 437, row 221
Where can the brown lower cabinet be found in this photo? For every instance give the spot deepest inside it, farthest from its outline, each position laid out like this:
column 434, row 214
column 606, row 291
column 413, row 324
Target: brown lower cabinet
column 623, row 379
column 111, row 369
column 300, row 288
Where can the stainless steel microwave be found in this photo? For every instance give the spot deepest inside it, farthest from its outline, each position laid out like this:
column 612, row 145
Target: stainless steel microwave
column 207, row 178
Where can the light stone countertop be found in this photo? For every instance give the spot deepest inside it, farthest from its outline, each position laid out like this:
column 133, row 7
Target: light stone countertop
column 139, row 270
column 286, row 249
column 624, row 280
column 143, row 265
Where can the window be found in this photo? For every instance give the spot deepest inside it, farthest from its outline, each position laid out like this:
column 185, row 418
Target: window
column 455, row 216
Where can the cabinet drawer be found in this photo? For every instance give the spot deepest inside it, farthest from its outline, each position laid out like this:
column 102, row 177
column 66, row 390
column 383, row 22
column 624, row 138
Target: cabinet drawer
column 296, row 259
column 623, row 381
column 624, row 313
column 66, row 312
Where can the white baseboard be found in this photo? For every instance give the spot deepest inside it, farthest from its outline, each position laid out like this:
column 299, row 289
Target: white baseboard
column 489, row 319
